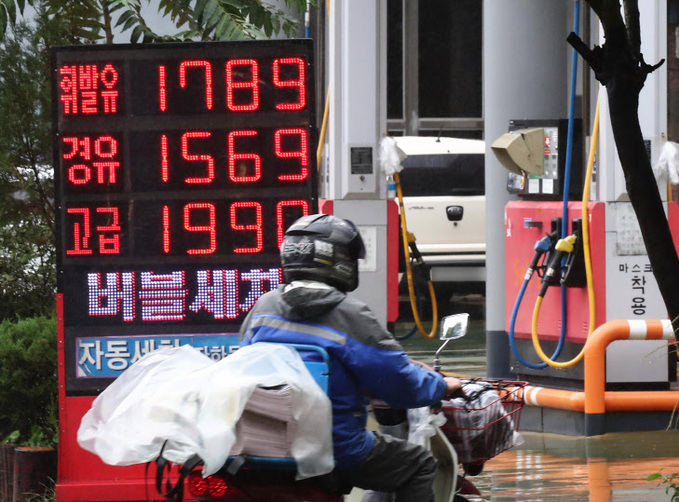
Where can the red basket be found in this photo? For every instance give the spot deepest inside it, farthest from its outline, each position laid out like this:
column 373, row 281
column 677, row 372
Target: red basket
column 485, row 426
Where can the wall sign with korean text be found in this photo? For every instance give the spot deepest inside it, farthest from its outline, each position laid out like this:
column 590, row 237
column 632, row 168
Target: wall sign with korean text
column 177, row 167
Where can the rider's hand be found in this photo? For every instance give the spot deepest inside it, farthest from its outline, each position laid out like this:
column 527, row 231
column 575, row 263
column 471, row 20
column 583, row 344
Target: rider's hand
column 453, row 387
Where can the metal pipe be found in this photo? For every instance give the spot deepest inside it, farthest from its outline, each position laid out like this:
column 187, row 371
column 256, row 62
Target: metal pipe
column 595, row 354
column 570, row 400
column 595, row 401
column 554, row 398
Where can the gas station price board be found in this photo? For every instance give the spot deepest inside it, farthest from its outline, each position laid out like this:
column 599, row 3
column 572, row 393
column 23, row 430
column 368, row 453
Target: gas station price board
column 177, row 169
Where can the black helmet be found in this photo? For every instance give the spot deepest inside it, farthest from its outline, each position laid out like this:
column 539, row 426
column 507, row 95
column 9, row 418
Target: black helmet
column 324, row 248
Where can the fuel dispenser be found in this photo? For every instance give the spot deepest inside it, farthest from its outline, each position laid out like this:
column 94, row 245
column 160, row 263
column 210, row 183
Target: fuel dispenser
column 559, row 282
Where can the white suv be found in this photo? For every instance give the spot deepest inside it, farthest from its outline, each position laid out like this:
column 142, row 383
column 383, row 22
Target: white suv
column 443, row 184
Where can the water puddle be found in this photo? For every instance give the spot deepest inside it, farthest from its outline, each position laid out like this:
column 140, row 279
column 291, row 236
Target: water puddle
column 551, row 467
column 613, row 467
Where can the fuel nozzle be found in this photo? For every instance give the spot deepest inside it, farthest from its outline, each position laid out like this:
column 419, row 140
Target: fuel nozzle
column 419, row 264
column 574, row 270
column 541, row 247
column 546, row 243
column 553, row 273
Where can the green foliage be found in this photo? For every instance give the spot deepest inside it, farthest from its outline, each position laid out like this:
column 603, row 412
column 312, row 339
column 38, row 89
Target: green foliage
column 84, row 21
column 94, row 20
column 8, row 13
column 672, row 487
column 27, row 254
column 49, row 494
column 211, row 19
column 12, row 437
column 28, row 381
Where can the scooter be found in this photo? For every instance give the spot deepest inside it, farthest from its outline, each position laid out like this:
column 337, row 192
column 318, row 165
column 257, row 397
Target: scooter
column 450, row 482
column 263, row 479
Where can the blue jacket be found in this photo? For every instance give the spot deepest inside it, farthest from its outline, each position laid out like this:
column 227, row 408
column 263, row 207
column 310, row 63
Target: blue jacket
column 365, row 359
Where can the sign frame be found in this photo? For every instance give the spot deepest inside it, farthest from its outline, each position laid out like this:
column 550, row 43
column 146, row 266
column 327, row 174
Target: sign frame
column 82, row 476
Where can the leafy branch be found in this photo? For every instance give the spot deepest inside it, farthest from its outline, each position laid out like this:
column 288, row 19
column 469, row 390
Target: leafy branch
column 94, row 20
column 672, row 487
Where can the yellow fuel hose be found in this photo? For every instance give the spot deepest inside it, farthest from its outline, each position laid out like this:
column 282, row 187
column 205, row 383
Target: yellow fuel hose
column 588, row 260
column 409, row 271
column 585, row 220
column 406, row 238
column 324, row 128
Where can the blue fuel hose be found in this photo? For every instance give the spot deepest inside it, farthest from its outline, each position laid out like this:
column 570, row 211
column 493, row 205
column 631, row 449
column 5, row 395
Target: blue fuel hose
column 541, row 247
column 569, row 158
column 564, row 216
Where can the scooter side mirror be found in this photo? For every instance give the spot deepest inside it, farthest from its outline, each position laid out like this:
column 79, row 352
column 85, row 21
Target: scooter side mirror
column 454, row 326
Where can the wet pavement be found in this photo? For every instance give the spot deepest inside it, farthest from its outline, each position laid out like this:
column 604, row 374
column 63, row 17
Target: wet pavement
column 612, row 467
column 551, row 467
column 608, row 468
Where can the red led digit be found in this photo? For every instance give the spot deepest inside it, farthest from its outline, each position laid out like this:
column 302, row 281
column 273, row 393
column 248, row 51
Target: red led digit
column 79, row 174
column 208, row 77
column 299, row 82
column 88, row 76
column 162, row 88
column 252, row 84
column 166, row 229
column 209, row 161
column 302, row 153
column 210, row 228
column 256, row 226
column 73, row 141
column 106, row 172
column 164, row 159
column 68, row 84
column 243, row 167
column 82, row 92
column 79, row 146
column 81, row 232
column 109, row 244
column 109, row 77
column 282, row 223
column 106, row 147
column 103, row 147
column 87, row 84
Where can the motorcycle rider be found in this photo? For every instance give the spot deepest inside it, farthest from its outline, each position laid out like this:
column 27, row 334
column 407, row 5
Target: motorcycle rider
column 319, row 257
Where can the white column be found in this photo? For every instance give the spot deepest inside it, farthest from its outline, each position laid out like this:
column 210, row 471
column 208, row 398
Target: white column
column 525, row 74
column 356, row 75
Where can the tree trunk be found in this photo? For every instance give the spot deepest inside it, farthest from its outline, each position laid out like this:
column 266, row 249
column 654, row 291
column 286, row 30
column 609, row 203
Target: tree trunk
column 623, row 98
column 619, row 65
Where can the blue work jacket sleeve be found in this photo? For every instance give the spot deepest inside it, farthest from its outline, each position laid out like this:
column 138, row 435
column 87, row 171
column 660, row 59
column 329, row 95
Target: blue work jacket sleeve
column 385, row 371
column 391, row 376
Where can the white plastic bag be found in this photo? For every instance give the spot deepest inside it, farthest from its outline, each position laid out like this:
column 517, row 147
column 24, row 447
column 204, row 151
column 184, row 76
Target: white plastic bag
column 422, row 425
column 478, row 425
column 390, row 156
column 667, row 168
column 192, row 402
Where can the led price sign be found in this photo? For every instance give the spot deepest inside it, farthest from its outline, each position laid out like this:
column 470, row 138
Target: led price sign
column 178, row 167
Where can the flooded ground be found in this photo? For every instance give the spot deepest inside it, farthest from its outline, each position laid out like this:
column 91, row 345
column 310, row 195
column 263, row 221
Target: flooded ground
column 612, row 467
column 550, row 467
column 608, row 468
